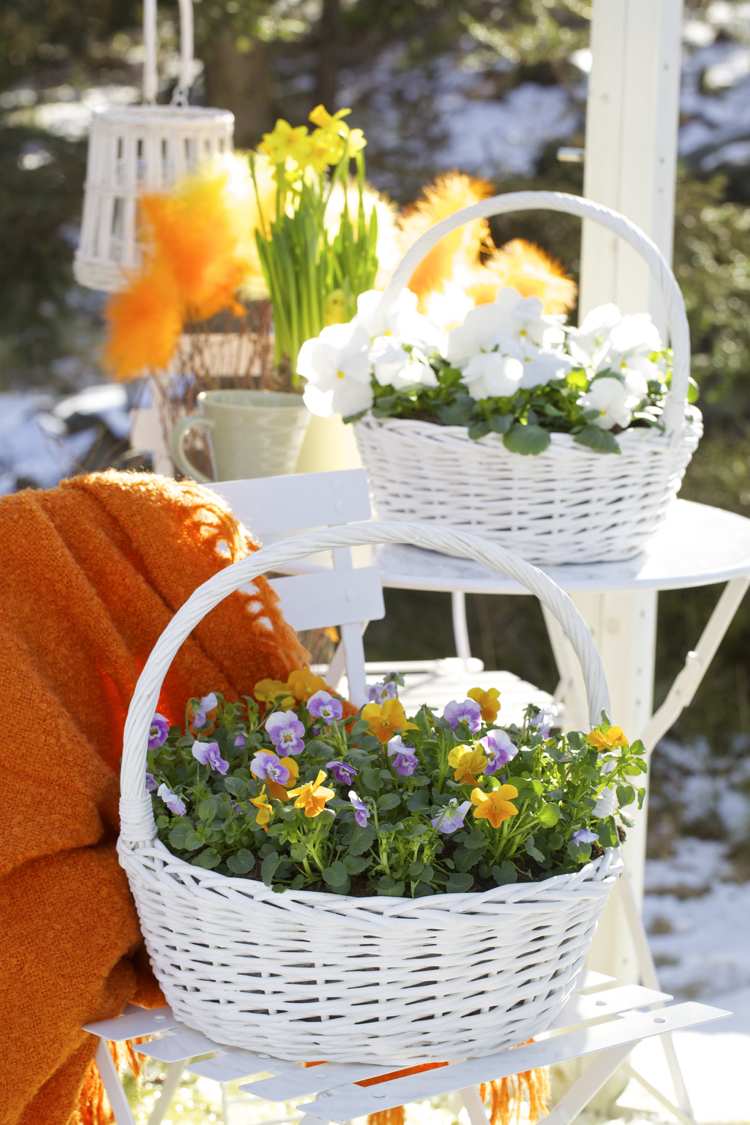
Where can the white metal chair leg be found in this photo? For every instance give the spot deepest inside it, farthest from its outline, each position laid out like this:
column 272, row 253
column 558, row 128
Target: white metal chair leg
column 474, row 1105
column 113, row 1085
column 172, row 1077
column 580, row 1093
column 460, row 627
column 649, row 977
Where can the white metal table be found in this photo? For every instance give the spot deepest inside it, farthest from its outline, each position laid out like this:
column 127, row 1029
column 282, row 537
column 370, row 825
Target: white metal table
column 603, row 1019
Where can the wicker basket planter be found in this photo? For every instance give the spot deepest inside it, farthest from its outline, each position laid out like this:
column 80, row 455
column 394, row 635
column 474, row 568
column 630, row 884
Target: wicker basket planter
column 568, row 504
column 140, row 148
column 306, row 975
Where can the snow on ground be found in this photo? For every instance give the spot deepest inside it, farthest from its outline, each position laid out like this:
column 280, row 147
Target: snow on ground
column 29, row 452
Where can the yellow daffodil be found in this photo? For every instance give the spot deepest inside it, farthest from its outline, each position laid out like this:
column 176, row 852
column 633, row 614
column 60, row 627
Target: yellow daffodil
column 467, row 762
column 495, row 806
column 286, row 142
column 607, row 738
column 489, row 701
column 333, row 139
column 386, row 719
column 265, row 809
column 313, row 796
column 303, row 683
column 275, row 788
column 331, row 121
column 273, row 691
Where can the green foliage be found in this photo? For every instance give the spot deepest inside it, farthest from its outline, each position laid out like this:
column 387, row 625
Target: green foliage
column 445, row 806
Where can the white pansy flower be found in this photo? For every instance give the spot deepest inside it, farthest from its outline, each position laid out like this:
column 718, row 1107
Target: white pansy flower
column 491, row 374
column 402, row 320
column 510, row 321
column 387, row 358
column 395, row 367
column 607, row 339
column 635, row 334
column 611, row 400
column 606, row 804
column 336, row 366
column 638, row 371
column 448, row 307
column 589, row 343
column 540, row 367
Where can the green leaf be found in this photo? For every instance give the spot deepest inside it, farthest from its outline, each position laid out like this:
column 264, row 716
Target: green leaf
column 208, row 858
column 336, row 876
column 362, row 840
column 268, row 867
column 459, row 881
column 527, row 440
column 578, row 379
column 505, row 873
column 530, row 849
column 500, row 423
column 479, row 430
column 355, row 864
column 387, row 885
column 237, row 786
column 456, row 413
column 625, row 795
column 388, row 801
column 601, row 441
column 208, row 808
column 548, row 815
column 241, row 862
column 178, row 834
column 193, row 840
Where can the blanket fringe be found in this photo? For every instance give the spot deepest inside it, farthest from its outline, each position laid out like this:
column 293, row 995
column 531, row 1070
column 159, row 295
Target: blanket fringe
column 93, row 1103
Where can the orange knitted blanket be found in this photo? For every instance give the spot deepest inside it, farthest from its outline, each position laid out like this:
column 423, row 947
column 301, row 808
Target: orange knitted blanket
column 92, row 572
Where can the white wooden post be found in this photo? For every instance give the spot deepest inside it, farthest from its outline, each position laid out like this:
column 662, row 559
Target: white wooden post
column 630, row 164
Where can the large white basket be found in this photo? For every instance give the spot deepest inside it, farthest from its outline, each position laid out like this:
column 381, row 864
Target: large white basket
column 568, row 504
column 134, row 149
column 305, row 975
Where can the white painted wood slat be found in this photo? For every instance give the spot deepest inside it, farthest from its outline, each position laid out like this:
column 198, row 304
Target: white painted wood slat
column 312, row 601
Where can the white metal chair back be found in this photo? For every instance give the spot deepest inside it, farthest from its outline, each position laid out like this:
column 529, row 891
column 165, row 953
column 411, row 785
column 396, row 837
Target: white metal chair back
column 345, row 596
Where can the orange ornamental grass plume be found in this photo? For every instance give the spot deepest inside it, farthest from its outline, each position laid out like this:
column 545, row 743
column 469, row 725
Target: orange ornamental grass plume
column 144, row 323
column 200, row 239
column 459, row 251
column 523, row 266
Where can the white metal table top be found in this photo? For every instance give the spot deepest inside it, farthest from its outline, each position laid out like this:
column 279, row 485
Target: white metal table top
column 697, row 545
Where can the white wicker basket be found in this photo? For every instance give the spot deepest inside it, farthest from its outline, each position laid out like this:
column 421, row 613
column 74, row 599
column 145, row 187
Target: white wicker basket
column 305, row 975
column 141, row 148
column 568, row 504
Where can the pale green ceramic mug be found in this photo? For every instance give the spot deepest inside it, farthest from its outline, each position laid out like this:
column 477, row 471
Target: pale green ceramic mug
column 252, row 433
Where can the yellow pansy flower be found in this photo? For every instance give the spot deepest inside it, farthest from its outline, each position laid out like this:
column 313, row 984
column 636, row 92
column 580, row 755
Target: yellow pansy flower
column 270, row 691
column 467, row 762
column 313, row 796
column 303, row 683
column 275, row 788
column 265, row 809
column 495, row 806
column 386, row 719
column 607, row 738
column 489, row 702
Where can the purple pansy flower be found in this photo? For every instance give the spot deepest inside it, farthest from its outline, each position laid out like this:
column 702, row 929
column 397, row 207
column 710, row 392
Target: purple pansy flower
column 286, row 732
column 158, row 731
column 151, row 783
column 384, row 689
column 542, row 721
column 584, row 836
column 240, row 741
column 361, row 811
column 499, row 749
column 209, row 754
column 325, row 706
column 268, row 767
column 206, row 704
column 341, row 772
column 451, row 818
column 402, row 757
column 464, row 711
column 174, row 803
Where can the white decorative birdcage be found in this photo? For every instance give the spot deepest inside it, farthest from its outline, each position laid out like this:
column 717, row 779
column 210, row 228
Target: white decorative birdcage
column 147, row 147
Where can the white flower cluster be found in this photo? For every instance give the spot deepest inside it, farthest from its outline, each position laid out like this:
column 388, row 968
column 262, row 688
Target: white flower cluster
column 499, row 348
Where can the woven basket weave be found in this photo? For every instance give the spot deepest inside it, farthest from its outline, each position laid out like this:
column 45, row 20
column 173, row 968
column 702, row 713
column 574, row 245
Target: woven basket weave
column 568, row 504
column 304, row 975
column 134, row 149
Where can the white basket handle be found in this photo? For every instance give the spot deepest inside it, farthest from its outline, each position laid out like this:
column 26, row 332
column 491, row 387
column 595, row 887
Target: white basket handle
column 137, row 822
column 150, row 74
column 677, row 322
